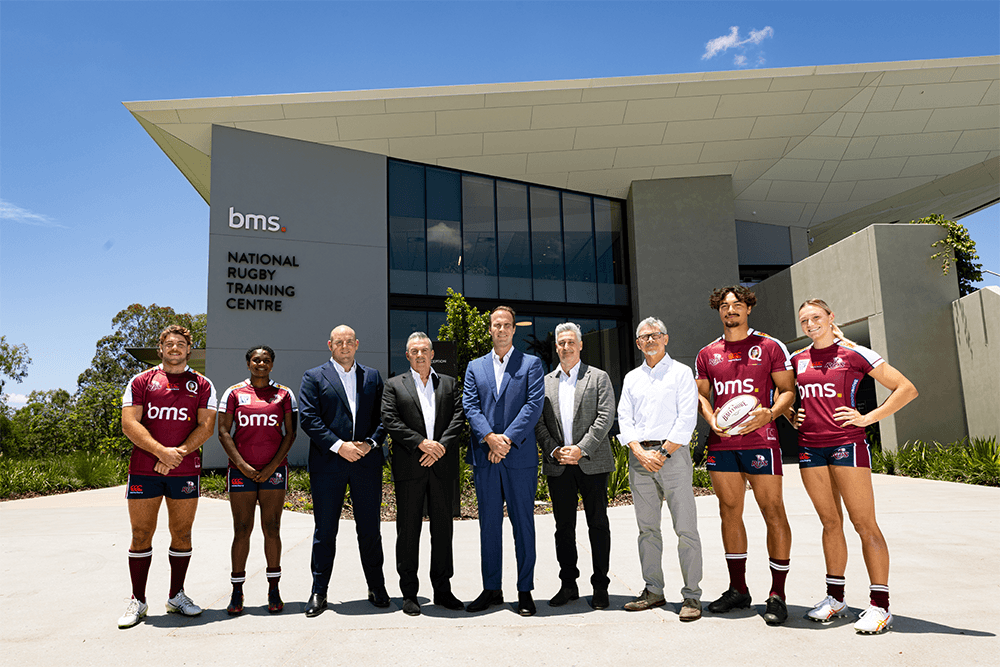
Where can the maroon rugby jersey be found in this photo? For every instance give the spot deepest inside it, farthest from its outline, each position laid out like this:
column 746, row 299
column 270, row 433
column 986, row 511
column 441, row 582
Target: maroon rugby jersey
column 743, row 367
column 259, row 415
column 828, row 378
column 170, row 404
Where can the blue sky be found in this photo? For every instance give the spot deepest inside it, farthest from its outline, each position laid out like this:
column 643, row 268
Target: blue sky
column 94, row 217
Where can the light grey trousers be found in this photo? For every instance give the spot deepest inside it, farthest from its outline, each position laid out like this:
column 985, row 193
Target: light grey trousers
column 671, row 483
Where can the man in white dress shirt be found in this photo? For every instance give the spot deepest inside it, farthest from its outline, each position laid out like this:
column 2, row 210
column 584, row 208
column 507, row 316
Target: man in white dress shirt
column 657, row 415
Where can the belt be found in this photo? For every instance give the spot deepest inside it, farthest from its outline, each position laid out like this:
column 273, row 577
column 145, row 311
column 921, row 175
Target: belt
column 658, row 444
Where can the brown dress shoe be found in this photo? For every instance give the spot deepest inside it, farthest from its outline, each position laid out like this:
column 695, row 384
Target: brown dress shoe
column 690, row 610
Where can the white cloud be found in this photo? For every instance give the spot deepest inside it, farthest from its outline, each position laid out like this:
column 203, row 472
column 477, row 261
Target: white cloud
column 15, row 213
column 732, row 41
column 720, row 44
column 16, row 400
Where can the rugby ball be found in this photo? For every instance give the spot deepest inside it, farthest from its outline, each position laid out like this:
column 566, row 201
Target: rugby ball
column 735, row 412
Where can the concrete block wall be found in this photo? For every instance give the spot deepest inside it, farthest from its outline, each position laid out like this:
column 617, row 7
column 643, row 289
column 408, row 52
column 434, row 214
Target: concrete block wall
column 977, row 336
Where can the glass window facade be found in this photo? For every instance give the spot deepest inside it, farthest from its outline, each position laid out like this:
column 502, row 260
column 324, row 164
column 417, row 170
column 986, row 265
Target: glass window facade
column 553, row 255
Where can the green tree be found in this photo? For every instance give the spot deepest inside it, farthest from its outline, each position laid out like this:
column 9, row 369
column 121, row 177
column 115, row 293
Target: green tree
column 135, row 326
column 44, row 424
column 956, row 248
column 14, row 361
column 468, row 328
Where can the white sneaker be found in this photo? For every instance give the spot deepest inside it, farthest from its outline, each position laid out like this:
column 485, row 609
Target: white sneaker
column 827, row 609
column 873, row 621
column 134, row 612
column 182, row 604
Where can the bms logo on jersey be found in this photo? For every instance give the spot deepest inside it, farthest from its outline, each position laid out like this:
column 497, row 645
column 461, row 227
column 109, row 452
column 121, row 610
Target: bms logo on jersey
column 167, row 414
column 258, row 420
column 733, row 387
column 818, row 390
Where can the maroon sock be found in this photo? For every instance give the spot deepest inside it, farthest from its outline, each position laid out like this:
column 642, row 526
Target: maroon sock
column 178, row 569
column 237, row 579
column 273, row 577
column 880, row 596
column 779, row 571
column 138, row 569
column 835, row 587
column 737, row 564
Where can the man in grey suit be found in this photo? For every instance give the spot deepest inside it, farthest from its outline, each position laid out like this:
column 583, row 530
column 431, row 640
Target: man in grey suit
column 577, row 415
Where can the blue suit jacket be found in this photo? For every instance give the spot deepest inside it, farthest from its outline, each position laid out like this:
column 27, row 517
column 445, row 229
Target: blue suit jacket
column 513, row 411
column 325, row 416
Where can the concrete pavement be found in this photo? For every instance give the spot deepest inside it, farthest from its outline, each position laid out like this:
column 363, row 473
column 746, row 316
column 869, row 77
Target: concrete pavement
column 64, row 582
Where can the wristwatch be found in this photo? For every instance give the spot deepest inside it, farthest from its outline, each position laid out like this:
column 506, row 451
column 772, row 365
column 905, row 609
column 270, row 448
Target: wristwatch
column 663, row 450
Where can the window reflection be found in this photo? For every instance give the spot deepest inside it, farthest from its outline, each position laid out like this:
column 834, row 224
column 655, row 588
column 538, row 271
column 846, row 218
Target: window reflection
column 444, row 236
column 546, row 246
column 514, row 241
column 578, row 232
column 407, row 240
column 479, row 255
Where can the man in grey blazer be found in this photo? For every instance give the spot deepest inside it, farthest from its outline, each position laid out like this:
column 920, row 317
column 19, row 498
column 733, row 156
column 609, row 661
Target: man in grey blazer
column 577, row 415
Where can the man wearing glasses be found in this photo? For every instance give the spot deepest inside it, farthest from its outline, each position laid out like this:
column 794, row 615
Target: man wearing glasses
column 657, row 415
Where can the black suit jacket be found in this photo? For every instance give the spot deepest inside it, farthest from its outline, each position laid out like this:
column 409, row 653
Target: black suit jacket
column 325, row 416
column 404, row 421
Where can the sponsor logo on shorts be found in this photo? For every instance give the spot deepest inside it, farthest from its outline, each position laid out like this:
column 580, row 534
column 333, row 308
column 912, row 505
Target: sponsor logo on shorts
column 189, row 487
column 803, row 456
column 755, row 353
column 276, row 479
column 715, row 360
column 841, row 453
column 710, row 461
column 192, row 386
column 135, row 488
column 759, row 461
column 237, row 481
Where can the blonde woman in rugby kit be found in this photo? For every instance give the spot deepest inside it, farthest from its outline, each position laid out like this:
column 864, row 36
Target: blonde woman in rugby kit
column 834, row 456
column 744, row 362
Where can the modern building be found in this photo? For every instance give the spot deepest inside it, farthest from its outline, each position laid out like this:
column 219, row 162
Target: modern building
column 602, row 200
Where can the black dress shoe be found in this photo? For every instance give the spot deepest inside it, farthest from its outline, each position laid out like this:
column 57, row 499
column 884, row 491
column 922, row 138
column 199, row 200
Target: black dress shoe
column 525, row 605
column 410, row 607
column 316, row 605
column 448, row 600
column 565, row 594
column 485, row 600
column 379, row 597
column 600, row 599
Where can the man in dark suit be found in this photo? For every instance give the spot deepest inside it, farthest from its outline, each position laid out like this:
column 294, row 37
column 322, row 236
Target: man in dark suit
column 503, row 399
column 577, row 415
column 422, row 412
column 339, row 405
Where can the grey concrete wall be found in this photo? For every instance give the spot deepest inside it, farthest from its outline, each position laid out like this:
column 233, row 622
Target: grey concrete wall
column 884, row 275
column 977, row 334
column 682, row 240
column 330, row 210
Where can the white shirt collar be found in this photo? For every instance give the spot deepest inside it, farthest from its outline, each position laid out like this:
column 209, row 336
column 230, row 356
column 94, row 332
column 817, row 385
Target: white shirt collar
column 416, row 377
column 504, row 359
column 573, row 372
column 340, row 369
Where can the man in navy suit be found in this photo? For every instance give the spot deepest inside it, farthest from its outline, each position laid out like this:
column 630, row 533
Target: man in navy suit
column 339, row 404
column 503, row 397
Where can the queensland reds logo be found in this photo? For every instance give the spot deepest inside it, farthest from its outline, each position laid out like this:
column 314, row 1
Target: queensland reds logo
column 759, row 462
column 276, row 479
column 192, row 386
column 755, row 353
column 715, row 360
column 841, row 453
column 836, row 362
column 154, row 385
column 188, row 488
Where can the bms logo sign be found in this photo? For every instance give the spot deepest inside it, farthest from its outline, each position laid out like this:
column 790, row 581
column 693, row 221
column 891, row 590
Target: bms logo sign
column 254, row 221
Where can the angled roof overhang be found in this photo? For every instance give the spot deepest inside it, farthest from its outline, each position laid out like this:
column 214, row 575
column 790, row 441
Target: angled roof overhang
column 830, row 148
